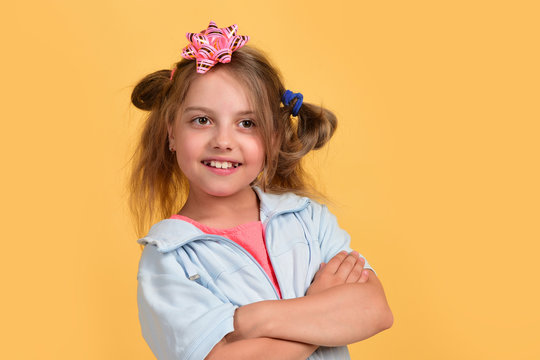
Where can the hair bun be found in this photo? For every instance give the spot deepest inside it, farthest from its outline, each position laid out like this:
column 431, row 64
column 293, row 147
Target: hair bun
column 149, row 89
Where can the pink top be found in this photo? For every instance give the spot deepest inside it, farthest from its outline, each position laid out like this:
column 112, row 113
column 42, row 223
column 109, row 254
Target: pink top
column 250, row 236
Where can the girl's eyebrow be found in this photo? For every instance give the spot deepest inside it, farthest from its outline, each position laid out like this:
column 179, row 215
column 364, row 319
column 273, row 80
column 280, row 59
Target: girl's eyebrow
column 197, row 108
column 208, row 110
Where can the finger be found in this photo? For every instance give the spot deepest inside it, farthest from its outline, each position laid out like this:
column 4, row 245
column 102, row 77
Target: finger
column 356, row 272
column 347, row 265
column 333, row 265
column 365, row 276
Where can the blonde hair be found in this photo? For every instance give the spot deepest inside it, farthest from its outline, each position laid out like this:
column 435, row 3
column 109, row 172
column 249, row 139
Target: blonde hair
column 157, row 184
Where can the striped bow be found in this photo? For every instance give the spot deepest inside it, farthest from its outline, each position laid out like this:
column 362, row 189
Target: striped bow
column 213, row 45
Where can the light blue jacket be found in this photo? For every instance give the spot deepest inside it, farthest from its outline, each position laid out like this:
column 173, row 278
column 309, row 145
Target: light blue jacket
column 190, row 283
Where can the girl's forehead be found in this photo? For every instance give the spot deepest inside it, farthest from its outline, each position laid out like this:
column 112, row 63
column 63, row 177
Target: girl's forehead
column 215, row 81
column 218, row 88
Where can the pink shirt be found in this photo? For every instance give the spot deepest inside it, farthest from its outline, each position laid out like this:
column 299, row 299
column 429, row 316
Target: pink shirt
column 250, row 236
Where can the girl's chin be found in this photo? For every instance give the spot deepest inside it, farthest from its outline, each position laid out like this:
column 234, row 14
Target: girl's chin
column 223, row 192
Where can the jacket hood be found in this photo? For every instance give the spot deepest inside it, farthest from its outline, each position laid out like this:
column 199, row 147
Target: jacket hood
column 170, row 234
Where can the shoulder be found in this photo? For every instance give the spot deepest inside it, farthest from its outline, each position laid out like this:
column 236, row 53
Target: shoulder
column 162, row 254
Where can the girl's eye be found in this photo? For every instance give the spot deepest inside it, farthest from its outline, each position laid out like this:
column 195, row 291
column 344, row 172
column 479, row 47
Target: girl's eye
column 246, row 124
column 201, row 120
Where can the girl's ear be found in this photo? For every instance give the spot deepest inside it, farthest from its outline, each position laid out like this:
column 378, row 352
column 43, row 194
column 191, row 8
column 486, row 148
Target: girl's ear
column 170, row 131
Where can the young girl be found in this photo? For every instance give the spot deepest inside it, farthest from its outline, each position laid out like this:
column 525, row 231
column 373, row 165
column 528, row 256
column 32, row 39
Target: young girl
column 249, row 267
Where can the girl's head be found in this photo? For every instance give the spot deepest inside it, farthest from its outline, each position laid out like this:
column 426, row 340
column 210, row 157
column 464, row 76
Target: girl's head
column 159, row 185
column 216, row 137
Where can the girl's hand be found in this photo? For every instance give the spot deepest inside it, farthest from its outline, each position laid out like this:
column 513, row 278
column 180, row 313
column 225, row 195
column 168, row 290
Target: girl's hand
column 341, row 269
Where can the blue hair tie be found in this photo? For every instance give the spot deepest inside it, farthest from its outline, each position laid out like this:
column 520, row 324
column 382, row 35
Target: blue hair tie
column 288, row 96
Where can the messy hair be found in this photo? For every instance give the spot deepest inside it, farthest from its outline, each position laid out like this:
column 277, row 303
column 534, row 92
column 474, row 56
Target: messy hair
column 157, row 184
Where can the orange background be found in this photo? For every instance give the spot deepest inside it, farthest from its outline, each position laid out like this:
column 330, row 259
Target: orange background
column 433, row 171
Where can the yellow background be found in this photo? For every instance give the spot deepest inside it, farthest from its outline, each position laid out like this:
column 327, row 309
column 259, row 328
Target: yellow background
column 434, row 169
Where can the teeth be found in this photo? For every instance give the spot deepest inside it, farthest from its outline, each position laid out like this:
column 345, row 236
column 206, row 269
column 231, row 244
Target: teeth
column 221, row 164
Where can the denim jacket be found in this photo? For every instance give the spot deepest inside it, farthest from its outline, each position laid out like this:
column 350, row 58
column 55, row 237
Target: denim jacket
column 190, row 283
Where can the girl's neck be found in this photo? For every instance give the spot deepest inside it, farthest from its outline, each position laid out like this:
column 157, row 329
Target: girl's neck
column 222, row 211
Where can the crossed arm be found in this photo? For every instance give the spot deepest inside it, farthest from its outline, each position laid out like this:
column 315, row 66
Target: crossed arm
column 344, row 304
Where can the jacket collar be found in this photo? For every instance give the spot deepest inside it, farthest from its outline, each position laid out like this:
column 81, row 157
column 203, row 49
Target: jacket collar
column 170, row 234
column 272, row 204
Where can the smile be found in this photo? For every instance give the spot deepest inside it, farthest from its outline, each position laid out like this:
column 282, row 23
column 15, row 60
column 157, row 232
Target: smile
column 221, row 164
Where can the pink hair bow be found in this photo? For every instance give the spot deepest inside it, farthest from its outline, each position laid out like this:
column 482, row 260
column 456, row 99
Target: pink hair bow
column 213, row 45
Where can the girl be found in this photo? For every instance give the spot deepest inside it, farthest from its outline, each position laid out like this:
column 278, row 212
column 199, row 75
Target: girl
column 249, row 267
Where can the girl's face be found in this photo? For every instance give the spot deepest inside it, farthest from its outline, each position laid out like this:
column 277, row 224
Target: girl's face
column 218, row 146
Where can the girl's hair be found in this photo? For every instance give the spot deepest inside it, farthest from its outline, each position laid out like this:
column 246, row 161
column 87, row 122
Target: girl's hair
column 158, row 186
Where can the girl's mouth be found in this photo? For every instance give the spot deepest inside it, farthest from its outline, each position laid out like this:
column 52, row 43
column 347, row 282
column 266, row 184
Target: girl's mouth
column 221, row 164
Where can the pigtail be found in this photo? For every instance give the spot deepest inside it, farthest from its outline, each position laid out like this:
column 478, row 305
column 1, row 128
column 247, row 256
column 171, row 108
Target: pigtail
column 310, row 130
column 148, row 93
column 316, row 125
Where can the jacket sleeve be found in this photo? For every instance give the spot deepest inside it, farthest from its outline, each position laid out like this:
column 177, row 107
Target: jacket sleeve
column 332, row 238
column 180, row 319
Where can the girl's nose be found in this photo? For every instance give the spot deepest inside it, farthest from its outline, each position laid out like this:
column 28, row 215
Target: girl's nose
column 223, row 138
